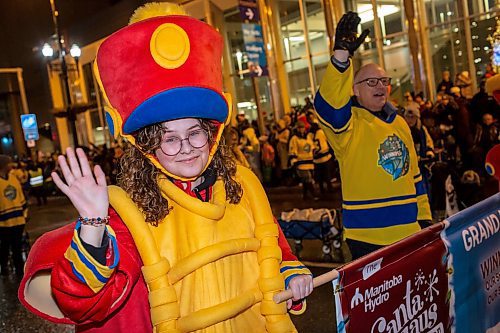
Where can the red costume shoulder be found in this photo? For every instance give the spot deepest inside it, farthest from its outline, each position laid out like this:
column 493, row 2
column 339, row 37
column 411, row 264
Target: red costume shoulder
column 51, row 289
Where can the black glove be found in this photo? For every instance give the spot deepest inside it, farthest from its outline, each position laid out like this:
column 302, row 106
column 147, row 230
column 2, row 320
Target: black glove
column 346, row 36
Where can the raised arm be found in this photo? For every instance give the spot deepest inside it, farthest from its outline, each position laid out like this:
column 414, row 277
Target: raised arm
column 333, row 99
column 88, row 195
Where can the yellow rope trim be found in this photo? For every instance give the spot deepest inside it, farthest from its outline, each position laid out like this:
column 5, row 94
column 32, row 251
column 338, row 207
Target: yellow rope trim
column 165, row 312
column 210, row 254
column 220, row 312
column 277, row 319
column 134, row 220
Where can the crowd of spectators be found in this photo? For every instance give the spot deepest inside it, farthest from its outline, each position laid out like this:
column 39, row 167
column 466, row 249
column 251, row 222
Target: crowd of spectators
column 34, row 172
column 452, row 135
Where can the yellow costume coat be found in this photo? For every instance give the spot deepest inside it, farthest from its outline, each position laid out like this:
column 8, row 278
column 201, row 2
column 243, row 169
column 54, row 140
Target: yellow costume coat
column 190, row 237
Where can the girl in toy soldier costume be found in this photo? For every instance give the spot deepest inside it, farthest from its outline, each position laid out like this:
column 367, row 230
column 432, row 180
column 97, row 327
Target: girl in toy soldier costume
column 190, row 243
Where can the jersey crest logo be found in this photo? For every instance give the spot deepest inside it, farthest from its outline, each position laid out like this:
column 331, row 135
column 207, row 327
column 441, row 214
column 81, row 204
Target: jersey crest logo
column 393, row 157
column 10, row 192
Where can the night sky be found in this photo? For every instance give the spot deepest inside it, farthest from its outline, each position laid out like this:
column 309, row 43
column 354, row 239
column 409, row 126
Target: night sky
column 26, row 25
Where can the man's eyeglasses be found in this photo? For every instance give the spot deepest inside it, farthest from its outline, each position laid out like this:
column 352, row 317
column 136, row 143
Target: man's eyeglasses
column 373, row 81
column 173, row 144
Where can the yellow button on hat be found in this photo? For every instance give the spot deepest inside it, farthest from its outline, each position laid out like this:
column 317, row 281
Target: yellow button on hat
column 169, row 46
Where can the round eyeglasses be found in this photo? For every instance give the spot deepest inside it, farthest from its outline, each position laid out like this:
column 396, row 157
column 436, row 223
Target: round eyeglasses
column 373, row 81
column 173, row 144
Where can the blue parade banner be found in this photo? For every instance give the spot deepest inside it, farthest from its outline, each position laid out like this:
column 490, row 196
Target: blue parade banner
column 473, row 240
column 254, row 46
column 30, row 126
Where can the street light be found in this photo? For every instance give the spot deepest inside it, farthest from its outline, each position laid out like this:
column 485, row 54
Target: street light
column 61, row 51
column 75, row 51
column 47, row 50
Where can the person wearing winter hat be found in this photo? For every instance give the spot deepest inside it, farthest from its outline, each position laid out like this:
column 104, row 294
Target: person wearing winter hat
column 464, row 83
column 424, row 146
column 190, row 243
column 300, row 152
column 13, row 213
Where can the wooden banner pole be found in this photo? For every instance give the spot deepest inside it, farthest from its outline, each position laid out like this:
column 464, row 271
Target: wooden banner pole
column 317, row 281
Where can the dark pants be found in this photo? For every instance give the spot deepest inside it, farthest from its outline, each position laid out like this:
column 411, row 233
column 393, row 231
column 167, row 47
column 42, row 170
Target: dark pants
column 11, row 238
column 39, row 193
column 306, row 177
column 323, row 176
column 359, row 249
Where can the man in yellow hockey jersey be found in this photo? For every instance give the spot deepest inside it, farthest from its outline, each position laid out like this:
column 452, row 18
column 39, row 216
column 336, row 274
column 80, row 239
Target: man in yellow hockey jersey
column 383, row 193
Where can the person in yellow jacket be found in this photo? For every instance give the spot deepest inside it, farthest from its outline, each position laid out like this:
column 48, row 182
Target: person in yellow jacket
column 13, row 213
column 301, row 148
column 36, row 182
column 190, row 244
column 19, row 170
column 283, row 138
column 322, row 157
column 250, row 146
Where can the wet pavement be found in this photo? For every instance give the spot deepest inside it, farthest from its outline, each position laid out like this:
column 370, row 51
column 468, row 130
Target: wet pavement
column 13, row 316
column 319, row 316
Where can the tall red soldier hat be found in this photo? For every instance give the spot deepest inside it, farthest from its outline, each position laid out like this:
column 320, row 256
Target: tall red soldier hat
column 163, row 66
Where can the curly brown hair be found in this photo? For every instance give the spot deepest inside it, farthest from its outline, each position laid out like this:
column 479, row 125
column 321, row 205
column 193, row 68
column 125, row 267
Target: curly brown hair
column 139, row 177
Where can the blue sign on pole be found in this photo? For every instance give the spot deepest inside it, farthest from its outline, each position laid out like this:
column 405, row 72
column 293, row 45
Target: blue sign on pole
column 249, row 11
column 30, row 126
column 254, row 45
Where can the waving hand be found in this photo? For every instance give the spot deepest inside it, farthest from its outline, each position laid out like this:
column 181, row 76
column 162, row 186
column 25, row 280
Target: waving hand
column 89, row 195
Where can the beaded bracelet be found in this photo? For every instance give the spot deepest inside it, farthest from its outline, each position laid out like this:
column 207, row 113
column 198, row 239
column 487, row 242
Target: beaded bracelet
column 94, row 221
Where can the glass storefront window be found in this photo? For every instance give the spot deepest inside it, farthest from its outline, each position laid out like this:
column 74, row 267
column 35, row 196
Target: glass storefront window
column 245, row 97
column 449, row 49
column 97, row 130
column 88, row 77
column 292, row 31
column 481, row 6
column 245, row 92
column 320, row 63
column 365, row 11
column 398, row 66
column 264, row 88
column 365, row 57
column 316, row 26
column 481, row 27
column 234, row 37
column 391, row 17
column 440, row 11
column 298, row 79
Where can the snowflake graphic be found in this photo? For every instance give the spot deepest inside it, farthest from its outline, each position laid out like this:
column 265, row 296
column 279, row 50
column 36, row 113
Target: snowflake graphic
column 431, row 290
column 419, row 279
